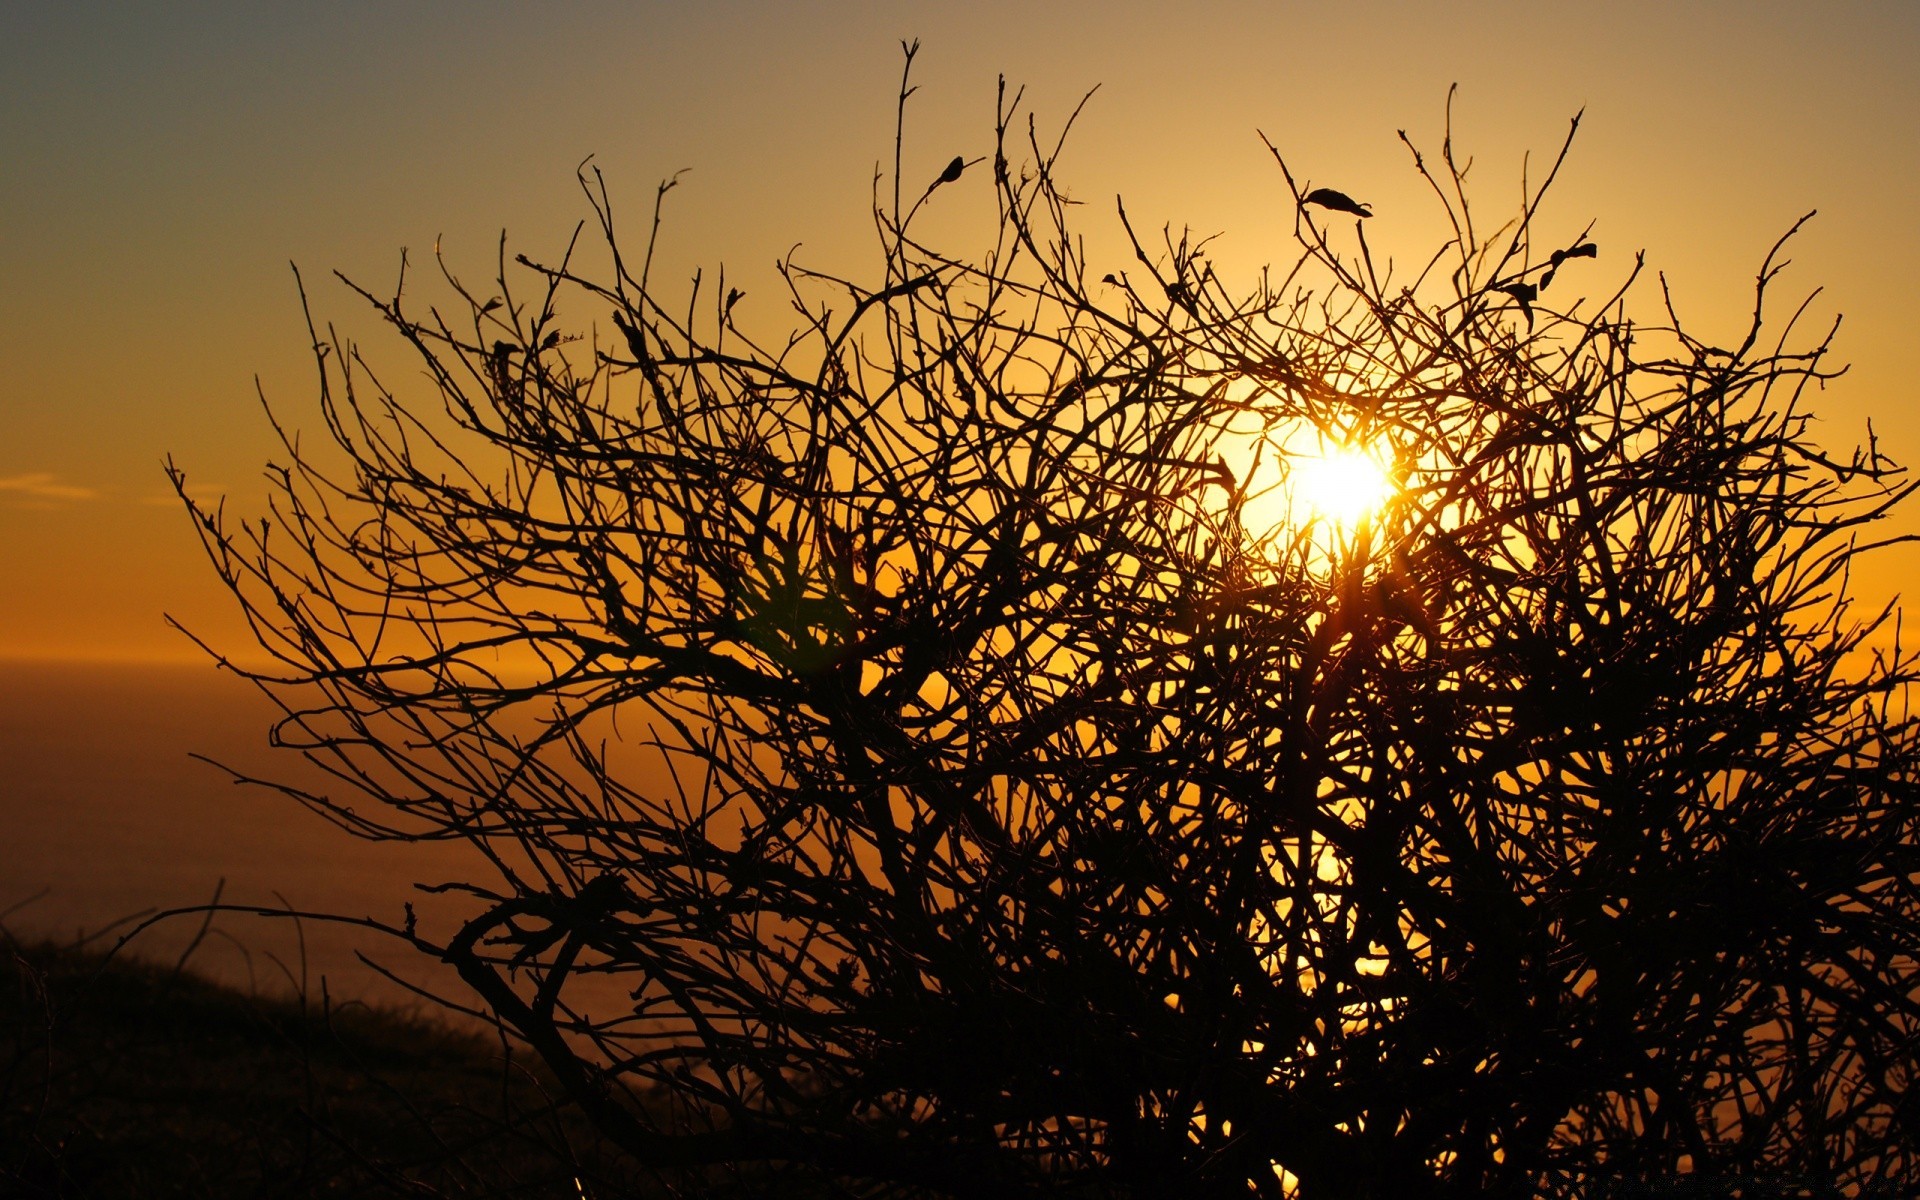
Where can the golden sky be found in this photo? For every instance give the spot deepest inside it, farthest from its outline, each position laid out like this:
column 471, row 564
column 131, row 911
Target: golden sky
column 161, row 164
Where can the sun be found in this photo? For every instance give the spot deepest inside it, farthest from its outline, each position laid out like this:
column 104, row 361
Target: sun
column 1292, row 477
column 1344, row 485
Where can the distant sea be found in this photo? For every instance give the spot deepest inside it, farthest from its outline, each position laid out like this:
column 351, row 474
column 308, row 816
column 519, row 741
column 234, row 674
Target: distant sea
column 104, row 814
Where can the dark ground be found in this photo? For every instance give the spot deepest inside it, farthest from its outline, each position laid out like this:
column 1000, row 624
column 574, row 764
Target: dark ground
column 128, row 1079
column 122, row 1079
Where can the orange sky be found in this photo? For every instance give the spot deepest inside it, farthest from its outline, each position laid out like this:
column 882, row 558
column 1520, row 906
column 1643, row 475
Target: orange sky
column 160, row 164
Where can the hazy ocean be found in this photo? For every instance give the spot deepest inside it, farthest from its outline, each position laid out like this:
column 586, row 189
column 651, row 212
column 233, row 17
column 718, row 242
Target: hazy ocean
column 103, row 809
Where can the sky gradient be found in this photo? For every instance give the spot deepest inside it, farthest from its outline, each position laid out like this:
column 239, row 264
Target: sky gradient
column 164, row 163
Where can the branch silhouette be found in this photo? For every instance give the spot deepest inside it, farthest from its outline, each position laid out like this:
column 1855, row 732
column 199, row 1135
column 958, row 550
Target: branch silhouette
column 918, row 749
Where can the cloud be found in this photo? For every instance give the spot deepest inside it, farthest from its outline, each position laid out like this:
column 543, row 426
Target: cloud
column 206, row 494
column 43, row 486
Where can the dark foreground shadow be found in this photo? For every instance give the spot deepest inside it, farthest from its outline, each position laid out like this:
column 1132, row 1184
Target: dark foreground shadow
column 127, row 1079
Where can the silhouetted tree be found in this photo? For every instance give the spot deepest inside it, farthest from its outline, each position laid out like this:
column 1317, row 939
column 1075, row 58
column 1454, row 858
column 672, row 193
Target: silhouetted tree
column 941, row 753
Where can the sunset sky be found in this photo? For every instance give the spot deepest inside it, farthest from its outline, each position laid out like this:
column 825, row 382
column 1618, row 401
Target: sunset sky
column 161, row 164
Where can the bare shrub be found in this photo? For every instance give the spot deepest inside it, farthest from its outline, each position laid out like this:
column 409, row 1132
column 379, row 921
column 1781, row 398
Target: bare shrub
column 947, row 753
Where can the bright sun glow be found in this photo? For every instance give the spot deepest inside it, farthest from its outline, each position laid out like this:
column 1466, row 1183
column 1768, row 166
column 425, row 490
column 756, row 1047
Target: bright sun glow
column 1343, row 486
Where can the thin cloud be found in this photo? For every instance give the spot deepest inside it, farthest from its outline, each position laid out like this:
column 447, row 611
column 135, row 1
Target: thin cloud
column 44, row 486
column 200, row 493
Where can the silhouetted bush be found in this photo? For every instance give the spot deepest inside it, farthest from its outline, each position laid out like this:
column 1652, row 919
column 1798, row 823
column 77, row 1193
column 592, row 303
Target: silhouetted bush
column 944, row 751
